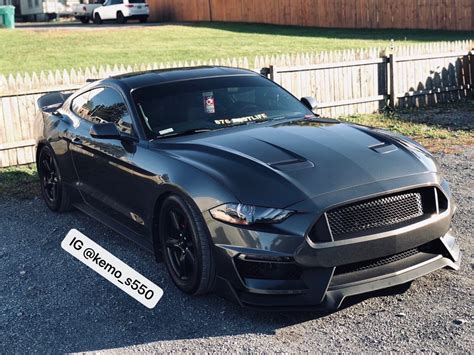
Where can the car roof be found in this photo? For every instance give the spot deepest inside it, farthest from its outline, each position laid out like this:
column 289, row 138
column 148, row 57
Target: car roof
column 157, row 77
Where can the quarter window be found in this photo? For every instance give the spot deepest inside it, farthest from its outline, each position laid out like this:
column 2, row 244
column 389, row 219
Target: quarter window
column 80, row 105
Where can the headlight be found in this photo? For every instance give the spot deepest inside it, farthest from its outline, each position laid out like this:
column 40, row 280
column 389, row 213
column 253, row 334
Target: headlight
column 237, row 213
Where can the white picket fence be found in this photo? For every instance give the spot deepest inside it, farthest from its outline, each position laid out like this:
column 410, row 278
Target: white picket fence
column 345, row 82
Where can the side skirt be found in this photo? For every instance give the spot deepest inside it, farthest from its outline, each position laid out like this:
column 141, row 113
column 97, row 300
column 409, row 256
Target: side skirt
column 118, row 227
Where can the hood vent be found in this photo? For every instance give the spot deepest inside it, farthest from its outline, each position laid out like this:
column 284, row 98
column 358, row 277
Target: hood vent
column 383, row 148
column 291, row 165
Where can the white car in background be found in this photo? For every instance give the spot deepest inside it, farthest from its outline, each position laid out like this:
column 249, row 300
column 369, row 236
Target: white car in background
column 121, row 11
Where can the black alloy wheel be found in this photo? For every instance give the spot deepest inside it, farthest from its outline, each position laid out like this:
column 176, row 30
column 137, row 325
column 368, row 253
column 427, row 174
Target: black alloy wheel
column 186, row 246
column 52, row 189
column 179, row 245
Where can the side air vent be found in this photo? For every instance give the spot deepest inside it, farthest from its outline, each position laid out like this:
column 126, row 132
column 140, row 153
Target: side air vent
column 270, row 270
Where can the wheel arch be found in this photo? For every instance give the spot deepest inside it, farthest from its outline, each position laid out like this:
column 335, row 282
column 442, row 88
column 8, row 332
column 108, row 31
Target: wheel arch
column 155, row 218
column 40, row 145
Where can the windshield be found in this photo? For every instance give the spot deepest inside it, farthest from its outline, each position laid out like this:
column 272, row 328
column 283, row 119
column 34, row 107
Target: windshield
column 213, row 103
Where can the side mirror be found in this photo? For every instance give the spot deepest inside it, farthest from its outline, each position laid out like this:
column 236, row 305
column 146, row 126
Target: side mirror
column 310, row 102
column 105, row 130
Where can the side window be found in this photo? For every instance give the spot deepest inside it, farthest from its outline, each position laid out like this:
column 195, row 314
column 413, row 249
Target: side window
column 107, row 105
column 116, row 2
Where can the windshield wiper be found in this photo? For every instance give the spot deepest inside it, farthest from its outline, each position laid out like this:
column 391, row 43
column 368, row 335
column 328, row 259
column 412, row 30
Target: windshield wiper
column 186, row 132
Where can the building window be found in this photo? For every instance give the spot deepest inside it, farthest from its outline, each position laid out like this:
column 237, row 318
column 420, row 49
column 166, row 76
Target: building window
column 30, row 4
column 36, row 3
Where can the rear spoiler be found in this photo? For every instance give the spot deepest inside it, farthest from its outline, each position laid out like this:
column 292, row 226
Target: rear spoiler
column 51, row 102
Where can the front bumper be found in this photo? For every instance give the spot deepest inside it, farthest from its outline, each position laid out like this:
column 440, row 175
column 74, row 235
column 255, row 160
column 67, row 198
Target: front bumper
column 326, row 288
column 261, row 271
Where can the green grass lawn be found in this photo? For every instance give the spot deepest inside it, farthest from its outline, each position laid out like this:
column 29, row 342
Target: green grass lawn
column 19, row 182
column 32, row 50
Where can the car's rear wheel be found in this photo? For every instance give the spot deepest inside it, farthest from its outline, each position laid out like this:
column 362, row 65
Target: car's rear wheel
column 121, row 18
column 84, row 19
column 97, row 19
column 52, row 188
column 186, row 246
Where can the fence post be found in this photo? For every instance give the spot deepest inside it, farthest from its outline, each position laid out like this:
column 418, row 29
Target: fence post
column 269, row 72
column 210, row 10
column 470, row 75
column 470, row 61
column 392, row 93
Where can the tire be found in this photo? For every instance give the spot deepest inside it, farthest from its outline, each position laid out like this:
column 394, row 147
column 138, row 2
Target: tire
column 53, row 190
column 143, row 19
column 97, row 19
column 121, row 18
column 185, row 240
column 84, row 19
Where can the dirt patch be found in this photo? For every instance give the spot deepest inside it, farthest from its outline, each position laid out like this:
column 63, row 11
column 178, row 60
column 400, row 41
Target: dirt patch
column 447, row 128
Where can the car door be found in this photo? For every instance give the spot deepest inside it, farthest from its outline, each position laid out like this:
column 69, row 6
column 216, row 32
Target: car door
column 104, row 166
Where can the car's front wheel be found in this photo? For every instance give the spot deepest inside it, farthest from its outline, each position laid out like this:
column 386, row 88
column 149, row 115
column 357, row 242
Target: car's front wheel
column 52, row 188
column 97, row 19
column 186, row 246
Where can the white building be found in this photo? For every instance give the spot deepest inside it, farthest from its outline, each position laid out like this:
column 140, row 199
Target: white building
column 43, row 9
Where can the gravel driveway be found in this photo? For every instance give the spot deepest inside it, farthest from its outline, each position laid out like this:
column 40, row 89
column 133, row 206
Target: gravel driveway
column 49, row 301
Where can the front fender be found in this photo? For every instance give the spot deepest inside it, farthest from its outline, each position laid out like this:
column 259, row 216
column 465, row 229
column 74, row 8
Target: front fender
column 159, row 173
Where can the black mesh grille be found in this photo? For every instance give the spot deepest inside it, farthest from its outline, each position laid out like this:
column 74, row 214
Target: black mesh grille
column 376, row 213
column 369, row 264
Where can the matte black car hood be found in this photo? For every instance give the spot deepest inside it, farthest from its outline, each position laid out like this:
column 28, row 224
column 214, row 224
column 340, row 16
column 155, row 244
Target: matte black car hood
column 281, row 164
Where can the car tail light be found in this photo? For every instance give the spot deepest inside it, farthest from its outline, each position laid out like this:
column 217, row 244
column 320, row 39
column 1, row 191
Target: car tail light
column 129, row 5
column 84, row 8
column 146, row 5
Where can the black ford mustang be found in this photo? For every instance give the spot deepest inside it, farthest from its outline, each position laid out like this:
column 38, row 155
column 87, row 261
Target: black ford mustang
column 239, row 187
